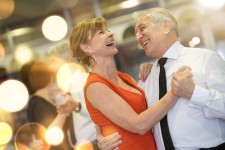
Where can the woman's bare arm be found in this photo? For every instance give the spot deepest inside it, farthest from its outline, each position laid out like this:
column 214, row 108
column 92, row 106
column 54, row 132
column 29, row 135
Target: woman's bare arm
column 117, row 110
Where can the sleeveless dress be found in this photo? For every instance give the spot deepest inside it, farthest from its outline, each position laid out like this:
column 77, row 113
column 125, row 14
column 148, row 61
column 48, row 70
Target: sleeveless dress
column 130, row 141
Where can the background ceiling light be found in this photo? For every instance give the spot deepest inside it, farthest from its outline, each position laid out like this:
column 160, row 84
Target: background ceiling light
column 212, row 4
column 5, row 133
column 54, row 28
column 129, row 3
column 16, row 101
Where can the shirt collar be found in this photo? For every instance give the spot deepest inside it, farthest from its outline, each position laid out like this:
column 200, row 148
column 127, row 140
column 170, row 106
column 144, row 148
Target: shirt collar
column 174, row 51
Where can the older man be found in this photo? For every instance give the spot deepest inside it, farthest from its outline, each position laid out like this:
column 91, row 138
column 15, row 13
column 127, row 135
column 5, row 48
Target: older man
column 195, row 124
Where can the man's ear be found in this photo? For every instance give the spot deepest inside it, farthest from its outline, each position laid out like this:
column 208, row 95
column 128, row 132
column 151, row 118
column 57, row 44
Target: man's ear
column 167, row 27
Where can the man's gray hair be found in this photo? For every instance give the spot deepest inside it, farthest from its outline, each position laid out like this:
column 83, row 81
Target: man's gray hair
column 161, row 14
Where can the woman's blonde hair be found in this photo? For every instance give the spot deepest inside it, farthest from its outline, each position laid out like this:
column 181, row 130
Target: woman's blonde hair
column 80, row 34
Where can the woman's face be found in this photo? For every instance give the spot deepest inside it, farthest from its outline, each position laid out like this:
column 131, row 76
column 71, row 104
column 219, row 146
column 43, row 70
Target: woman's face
column 102, row 44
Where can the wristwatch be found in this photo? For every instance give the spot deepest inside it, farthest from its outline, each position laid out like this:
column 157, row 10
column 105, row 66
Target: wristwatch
column 78, row 108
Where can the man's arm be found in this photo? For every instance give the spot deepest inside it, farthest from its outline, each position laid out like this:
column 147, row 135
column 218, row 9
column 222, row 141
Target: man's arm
column 110, row 142
column 212, row 98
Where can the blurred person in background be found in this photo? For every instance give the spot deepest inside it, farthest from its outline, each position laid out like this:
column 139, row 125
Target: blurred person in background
column 38, row 78
column 57, row 56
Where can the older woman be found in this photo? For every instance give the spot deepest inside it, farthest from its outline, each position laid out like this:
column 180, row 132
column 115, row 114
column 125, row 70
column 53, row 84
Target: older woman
column 113, row 99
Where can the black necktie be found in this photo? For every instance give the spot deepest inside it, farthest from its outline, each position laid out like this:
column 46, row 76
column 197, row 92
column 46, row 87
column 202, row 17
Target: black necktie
column 162, row 91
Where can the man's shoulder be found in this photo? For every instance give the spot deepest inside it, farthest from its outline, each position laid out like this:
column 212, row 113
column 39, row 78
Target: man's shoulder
column 201, row 49
column 196, row 51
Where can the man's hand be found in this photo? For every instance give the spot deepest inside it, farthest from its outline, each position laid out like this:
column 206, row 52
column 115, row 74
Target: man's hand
column 110, row 142
column 145, row 70
column 182, row 83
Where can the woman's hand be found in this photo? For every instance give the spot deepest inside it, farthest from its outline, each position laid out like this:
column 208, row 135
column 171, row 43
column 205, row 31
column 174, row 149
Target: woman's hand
column 182, row 83
column 145, row 70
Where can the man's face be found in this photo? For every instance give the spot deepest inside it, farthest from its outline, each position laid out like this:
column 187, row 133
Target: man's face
column 149, row 35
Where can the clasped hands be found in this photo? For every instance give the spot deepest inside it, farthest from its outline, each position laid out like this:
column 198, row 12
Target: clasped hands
column 67, row 106
column 182, row 83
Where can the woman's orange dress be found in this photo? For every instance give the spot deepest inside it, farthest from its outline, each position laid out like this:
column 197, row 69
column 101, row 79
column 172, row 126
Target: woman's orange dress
column 130, row 141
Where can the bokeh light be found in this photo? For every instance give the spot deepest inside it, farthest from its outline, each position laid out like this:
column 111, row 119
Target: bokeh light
column 191, row 43
column 31, row 136
column 13, row 95
column 79, row 80
column 212, row 4
column 2, row 52
column 86, row 145
column 5, row 133
column 54, row 28
column 2, row 147
column 71, row 75
column 196, row 40
column 129, row 3
column 54, row 135
column 23, row 54
column 6, row 8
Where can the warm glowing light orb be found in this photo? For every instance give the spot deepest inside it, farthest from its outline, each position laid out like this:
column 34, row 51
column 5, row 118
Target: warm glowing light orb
column 196, row 40
column 34, row 133
column 86, row 145
column 129, row 3
column 54, row 136
column 191, row 43
column 5, row 133
column 79, row 80
column 23, row 54
column 13, row 95
column 2, row 51
column 212, row 4
column 54, row 28
column 6, row 8
column 71, row 75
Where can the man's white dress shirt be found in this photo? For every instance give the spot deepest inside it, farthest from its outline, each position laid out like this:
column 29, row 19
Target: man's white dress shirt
column 199, row 122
